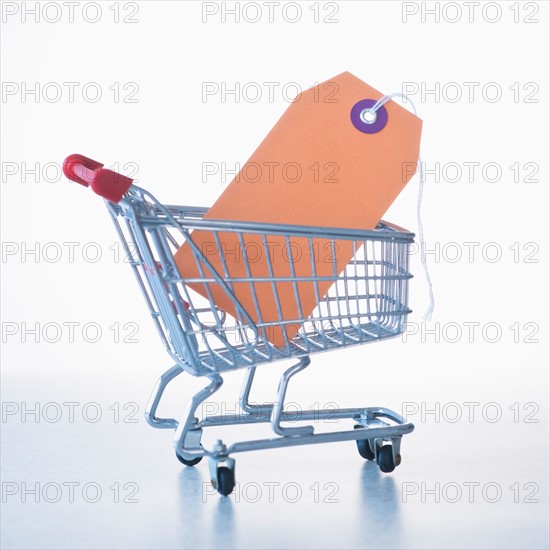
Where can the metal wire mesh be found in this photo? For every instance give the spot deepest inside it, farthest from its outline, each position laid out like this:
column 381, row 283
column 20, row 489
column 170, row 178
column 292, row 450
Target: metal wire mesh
column 367, row 301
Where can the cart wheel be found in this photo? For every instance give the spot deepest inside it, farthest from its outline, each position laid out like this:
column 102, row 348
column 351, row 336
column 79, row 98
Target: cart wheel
column 226, row 480
column 385, row 459
column 363, row 446
column 191, row 462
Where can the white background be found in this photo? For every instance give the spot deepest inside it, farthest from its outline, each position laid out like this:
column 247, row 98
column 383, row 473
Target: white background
column 170, row 130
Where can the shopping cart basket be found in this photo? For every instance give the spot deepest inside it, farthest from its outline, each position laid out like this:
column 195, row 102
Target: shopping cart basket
column 366, row 303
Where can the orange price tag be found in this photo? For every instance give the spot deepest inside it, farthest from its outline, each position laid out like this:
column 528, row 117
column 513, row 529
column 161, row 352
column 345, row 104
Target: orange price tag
column 326, row 162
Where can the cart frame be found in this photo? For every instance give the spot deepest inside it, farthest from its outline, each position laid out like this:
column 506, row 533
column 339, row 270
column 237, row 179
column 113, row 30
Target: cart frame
column 367, row 303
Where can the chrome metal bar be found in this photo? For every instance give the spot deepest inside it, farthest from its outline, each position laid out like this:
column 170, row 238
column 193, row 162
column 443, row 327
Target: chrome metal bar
column 366, row 416
column 277, row 411
column 156, row 396
column 263, row 409
column 389, row 432
column 188, row 422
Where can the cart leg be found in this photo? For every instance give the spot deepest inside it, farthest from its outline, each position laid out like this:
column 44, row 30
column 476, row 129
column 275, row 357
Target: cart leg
column 260, row 410
column 156, row 396
column 188, row 435
column 278, row 407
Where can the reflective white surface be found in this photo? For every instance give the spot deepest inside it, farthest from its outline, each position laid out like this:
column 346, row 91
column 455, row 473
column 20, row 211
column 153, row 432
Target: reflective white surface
column 314, row 497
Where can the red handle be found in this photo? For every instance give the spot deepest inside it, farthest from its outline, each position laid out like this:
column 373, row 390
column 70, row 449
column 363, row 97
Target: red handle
column 106, row 183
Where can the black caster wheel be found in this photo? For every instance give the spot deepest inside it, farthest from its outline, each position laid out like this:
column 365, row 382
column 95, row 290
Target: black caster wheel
column 385, row 459
column 191, row 462
column 226, row 480
column 363, row 447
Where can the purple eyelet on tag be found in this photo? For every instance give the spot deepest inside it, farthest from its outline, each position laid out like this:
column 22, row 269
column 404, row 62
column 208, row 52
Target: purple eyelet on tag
column 363, row 125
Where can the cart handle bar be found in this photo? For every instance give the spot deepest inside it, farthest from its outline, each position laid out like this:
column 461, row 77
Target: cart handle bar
column 106, row 183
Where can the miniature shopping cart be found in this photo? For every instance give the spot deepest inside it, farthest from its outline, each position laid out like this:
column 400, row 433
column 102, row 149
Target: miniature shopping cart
column 366, row 303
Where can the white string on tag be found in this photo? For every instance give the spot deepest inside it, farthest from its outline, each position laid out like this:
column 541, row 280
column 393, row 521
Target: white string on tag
column 384, row 99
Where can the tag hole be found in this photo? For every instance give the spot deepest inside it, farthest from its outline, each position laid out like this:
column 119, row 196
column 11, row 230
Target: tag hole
column 368, row 116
